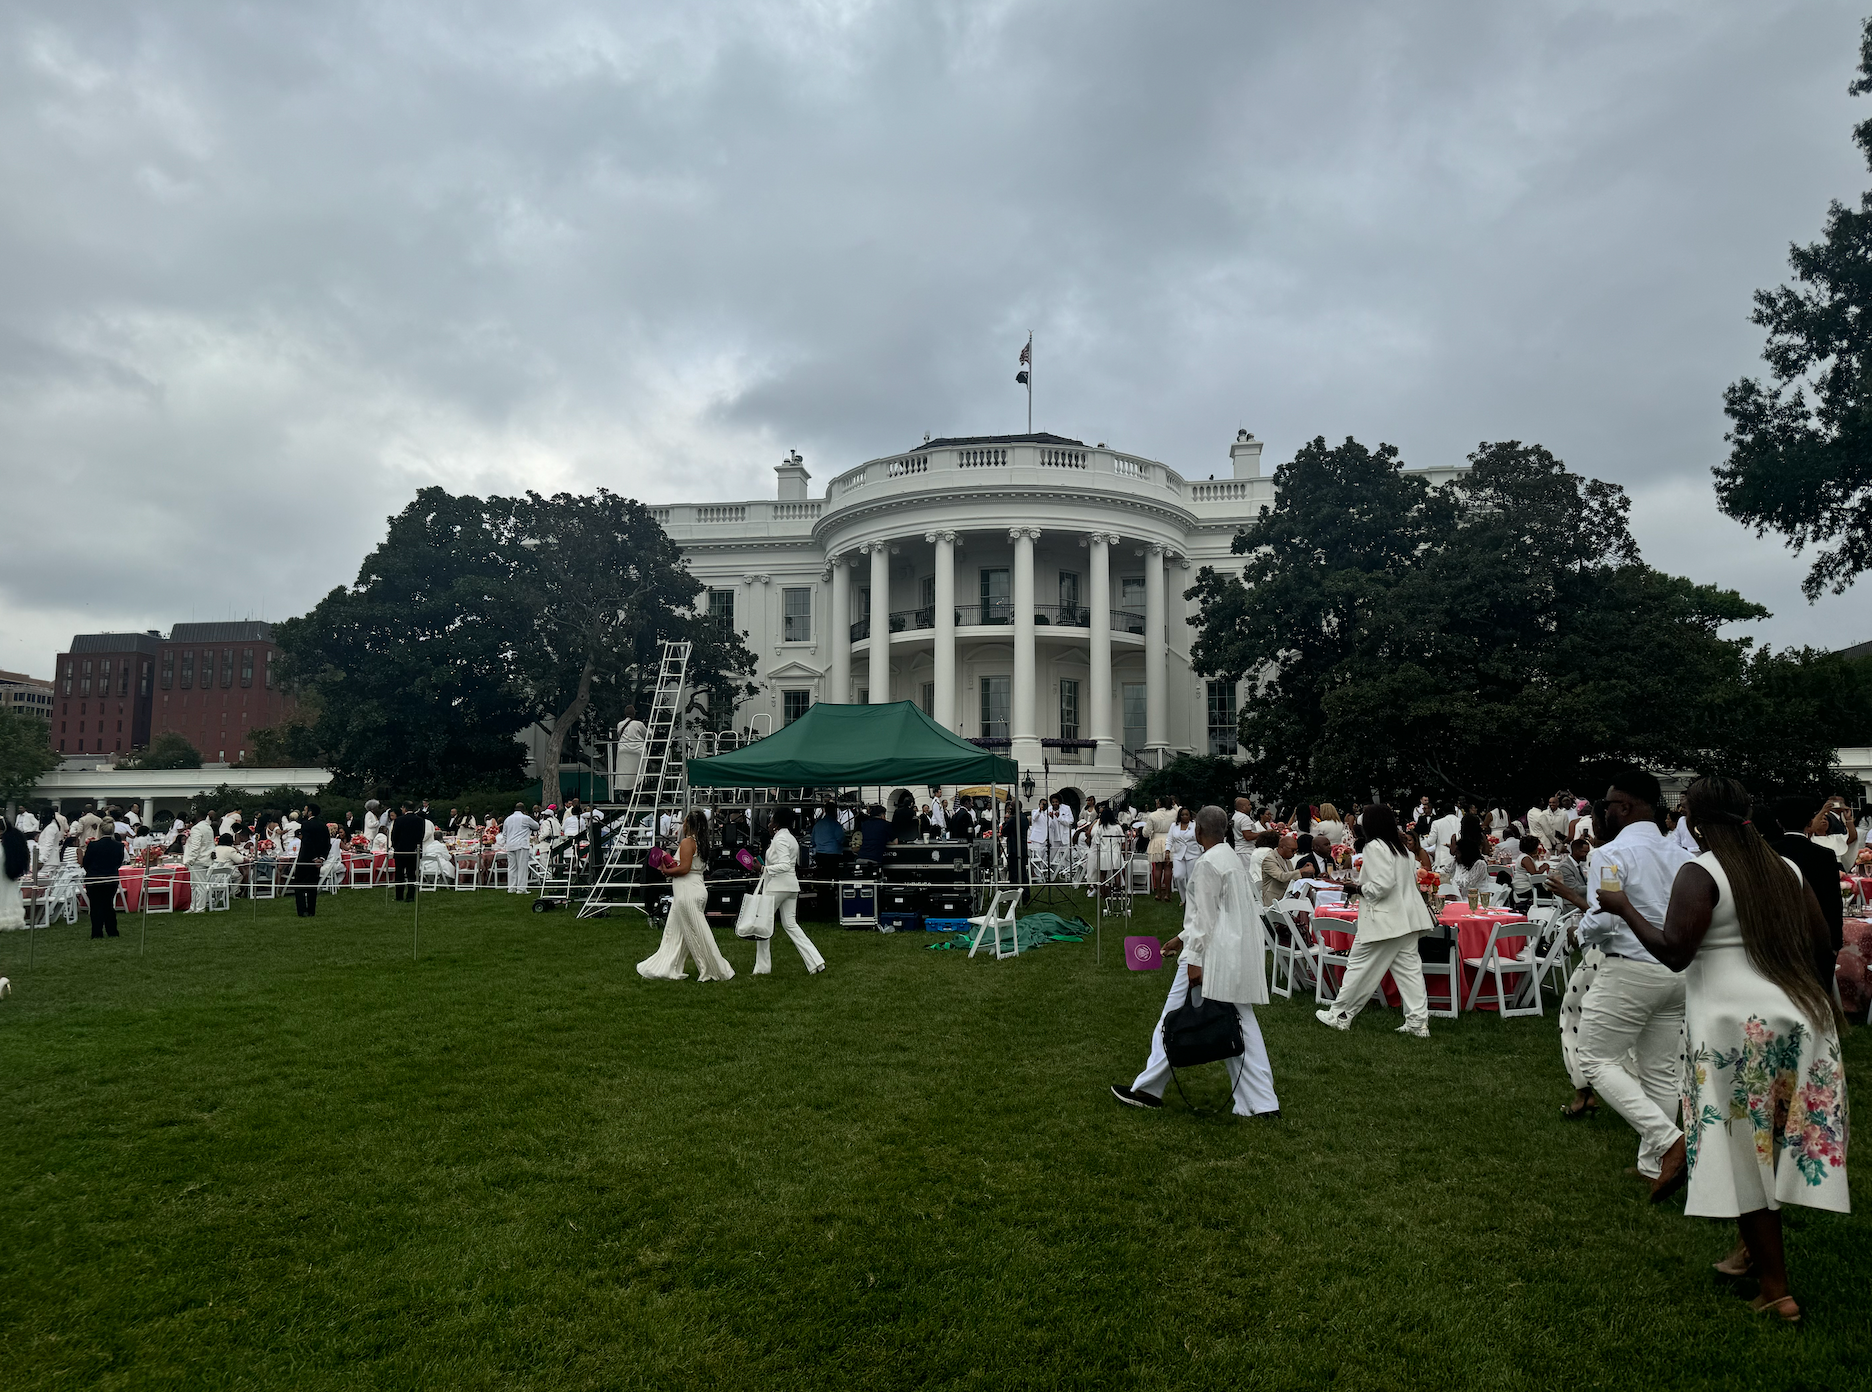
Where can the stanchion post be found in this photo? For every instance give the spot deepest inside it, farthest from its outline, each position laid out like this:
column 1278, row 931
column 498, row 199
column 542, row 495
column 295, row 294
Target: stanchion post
column 416, row 923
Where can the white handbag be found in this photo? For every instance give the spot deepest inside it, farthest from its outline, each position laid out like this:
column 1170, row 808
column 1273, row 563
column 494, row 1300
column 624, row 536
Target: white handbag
column 757, row 912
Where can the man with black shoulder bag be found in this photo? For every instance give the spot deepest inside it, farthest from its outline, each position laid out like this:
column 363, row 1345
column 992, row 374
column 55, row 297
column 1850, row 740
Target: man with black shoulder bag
column 1209, row 1016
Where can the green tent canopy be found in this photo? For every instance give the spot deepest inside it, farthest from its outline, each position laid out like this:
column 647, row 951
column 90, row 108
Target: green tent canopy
column 852, row 746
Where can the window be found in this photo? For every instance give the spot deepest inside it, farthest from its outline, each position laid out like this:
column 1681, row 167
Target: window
column 1134, row 715
column 997, row 597
column 68, row 678
column 864, row 695
column 929, row 698
column 1069, row 708
column 926, row 602
column 794, row 704
column 1222, row 719
column 227, row 667
column 143, row 682
column 84, row 686
column 188, row 668
column 123, row 678
column 1070, row 613
column 721, row 611
column 246, row 666
column 269, row 669
column 1131, row 602
column 994, row 704
column 796, row 605
column 104, row 674
column 168, row 668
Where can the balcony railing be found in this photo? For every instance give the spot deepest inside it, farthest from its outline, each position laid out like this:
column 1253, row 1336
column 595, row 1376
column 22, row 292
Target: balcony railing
column 999, row 614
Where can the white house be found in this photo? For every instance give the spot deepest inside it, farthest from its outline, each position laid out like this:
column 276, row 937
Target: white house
column 1025, row 588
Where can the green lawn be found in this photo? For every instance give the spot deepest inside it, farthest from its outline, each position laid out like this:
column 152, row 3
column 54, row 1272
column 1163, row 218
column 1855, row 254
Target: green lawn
column 266, row 1153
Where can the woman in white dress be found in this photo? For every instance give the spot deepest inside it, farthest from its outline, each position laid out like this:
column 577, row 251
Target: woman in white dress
column 1157, row 825
column 1764, row 1103
column 1184, row 852
column 781, row 881
column 687, row 933
column 1391, row 917
column 1113, row 861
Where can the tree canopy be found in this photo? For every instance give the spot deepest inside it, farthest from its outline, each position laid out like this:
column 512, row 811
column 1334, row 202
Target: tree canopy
column 26, row 754
column 1797, row 465
column 169, row 750
column 1494, row 636
column 477, row 617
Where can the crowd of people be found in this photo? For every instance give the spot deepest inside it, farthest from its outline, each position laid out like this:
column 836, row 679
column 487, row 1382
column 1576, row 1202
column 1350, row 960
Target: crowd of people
column 1702, row 1008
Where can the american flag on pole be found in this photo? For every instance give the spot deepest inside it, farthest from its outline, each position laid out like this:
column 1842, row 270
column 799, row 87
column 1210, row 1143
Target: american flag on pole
column 1026, row 362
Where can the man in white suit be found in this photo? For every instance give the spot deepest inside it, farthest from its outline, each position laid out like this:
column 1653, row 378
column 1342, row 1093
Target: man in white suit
column 198, row 856
column 1221, row 959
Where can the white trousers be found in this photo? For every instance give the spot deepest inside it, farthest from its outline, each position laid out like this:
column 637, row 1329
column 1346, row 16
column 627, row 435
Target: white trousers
column 517, row 863
column 1366, row 965
column 1251, row 1077
column 198, row 889
column 787, row 919
column 1637, row 1007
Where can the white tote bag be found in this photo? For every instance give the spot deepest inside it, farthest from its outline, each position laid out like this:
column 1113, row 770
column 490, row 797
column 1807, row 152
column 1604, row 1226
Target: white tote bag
column 757, row 910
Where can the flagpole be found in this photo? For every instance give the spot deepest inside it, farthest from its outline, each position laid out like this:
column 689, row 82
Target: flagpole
column 1030, row 381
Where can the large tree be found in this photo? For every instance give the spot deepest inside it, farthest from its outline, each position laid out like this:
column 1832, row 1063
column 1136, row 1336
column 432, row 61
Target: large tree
column 1801, row 465
column 478, row 617
column 596, row 585
column 1491, row 637
column 406, row 674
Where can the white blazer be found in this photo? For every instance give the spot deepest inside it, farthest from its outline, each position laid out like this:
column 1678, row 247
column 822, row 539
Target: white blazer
column 782, row 862
column 1222, row 929
column 1389, row 904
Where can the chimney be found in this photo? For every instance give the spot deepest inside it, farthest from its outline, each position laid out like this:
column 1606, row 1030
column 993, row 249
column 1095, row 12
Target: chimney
column 1245, row 455
column 793, row 478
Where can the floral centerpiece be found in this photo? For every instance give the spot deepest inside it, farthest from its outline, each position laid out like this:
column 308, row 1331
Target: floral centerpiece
column 1428, row 883
column 1865, row 858
column 150, row 856
column 360, row 842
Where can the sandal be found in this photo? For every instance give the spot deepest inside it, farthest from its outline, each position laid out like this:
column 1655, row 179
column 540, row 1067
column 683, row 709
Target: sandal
column 1783, row 1309
column 1582, row 1109
column 1736, row 1265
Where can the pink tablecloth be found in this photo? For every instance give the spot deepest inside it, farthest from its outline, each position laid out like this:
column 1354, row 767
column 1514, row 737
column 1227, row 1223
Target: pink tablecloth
column 177, row 875
column 1472, row 933
column 379, row 866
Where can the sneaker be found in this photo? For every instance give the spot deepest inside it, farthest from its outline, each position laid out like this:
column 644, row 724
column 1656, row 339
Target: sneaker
column 1132, row 1098
column 1416, row 1031
column 1333, row 1019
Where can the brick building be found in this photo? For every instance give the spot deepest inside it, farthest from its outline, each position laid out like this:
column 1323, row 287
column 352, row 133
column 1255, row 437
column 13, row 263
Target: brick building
column 102, row 687
column 211, row 683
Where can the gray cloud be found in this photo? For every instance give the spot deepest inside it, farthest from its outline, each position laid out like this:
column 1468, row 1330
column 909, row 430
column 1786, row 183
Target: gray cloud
column 266, row 272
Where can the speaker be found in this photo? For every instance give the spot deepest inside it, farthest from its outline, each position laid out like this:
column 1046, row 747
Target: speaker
column 895, row 899
column 858, row 905
column 948, row 903
column 726, row 900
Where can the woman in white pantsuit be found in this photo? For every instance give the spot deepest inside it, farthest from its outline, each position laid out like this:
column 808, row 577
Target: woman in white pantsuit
column 782, row 884
column 1391, row 918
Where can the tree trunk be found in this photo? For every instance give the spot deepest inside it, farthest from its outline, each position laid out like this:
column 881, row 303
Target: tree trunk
column 555, row 743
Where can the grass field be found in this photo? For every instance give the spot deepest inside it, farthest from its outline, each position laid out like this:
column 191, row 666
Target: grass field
column 267, row 1153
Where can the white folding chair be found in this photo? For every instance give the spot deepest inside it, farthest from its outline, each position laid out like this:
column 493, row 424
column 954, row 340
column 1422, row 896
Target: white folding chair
column 1324, row 957
column 220, row 888
column 467, row 870
column 158, row 893
column 266, row 877
column 1290, row 949
column 331, row 874
column 359, row 874
column 428, row 874
column 1493, row 963
column 1140, row 874
column 1452, row 982
column 1553, row 957
column 1000, row 915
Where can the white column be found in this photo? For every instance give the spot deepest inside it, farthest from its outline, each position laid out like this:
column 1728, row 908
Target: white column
column 880, row 623
column 942, row 710
column 149, row 810
column 1107, row 755
column 839, row 574
column 1156, row 674
column 1023, row 725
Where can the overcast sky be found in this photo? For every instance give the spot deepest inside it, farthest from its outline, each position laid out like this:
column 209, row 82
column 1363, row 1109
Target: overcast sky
column 266, row 270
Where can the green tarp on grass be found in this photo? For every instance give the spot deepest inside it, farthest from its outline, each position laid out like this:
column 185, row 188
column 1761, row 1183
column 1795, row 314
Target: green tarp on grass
column 854, row 746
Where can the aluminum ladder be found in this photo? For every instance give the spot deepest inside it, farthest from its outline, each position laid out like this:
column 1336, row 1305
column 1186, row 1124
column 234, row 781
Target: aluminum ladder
column 662, row 785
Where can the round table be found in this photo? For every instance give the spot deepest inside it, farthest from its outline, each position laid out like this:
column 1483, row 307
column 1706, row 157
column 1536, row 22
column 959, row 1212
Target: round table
column 1341, row 939
column 131, row 877
column 1472, row 928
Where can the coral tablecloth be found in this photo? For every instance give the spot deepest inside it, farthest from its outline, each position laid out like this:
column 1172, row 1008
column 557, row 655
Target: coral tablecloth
column 1340, row 940
column 132, row 877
